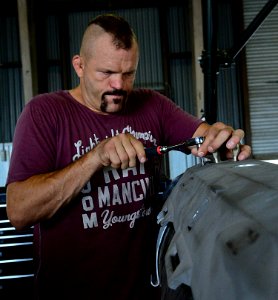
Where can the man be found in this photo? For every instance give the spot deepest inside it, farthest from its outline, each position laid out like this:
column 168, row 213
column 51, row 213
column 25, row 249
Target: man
column 80, row 175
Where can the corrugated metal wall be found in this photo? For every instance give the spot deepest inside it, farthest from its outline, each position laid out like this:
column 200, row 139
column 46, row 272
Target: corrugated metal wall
column 180, row 41
column 262, row 69
column 53, row 53
column 11, row 98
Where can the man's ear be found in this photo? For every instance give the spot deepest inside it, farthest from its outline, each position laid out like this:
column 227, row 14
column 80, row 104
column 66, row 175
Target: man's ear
column 78, row 65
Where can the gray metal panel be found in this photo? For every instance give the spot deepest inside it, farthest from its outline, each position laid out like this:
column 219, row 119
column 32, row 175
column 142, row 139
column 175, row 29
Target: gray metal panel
column 181, row 78
column 181, row 68
column 179, row 29
column 262, row 70
column 53, row 44
column 53, row 54
column 54, row 78
column 11, row 99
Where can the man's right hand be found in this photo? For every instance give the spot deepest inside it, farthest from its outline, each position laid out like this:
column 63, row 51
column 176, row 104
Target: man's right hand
column 120, row 151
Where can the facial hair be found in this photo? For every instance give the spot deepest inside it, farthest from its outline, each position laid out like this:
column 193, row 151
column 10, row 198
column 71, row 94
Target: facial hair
column 104, row 103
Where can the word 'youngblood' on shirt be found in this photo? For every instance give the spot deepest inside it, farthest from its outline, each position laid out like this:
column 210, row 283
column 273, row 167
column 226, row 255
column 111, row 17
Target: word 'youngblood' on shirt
column 109, row 218
column 116, row 195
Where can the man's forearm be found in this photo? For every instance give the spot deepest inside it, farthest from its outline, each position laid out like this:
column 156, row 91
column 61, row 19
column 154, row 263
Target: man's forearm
column 41, row 196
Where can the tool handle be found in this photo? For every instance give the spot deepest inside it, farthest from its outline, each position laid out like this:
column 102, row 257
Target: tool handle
column 153, row 151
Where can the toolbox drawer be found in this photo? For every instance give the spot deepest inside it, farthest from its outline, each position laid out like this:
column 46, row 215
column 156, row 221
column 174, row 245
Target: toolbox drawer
column 16, row 257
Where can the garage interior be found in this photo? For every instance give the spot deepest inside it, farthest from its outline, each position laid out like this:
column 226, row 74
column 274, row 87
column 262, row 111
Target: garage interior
column 197, row 52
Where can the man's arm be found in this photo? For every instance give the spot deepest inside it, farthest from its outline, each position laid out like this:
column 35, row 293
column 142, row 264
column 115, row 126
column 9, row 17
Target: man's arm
column 41, row 196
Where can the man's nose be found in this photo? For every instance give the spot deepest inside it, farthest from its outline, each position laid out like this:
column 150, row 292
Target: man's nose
column 117, row 81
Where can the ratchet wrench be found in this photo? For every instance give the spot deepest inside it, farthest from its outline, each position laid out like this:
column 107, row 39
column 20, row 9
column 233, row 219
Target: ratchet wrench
column 159, row 150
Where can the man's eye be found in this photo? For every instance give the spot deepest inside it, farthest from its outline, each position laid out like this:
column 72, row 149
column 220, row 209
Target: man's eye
column 129, row 74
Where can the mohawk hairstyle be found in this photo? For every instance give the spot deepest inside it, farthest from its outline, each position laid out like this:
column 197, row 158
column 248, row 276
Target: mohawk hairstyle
column 118, row 27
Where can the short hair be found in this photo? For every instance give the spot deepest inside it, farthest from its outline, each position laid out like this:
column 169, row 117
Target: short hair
column 118, row 27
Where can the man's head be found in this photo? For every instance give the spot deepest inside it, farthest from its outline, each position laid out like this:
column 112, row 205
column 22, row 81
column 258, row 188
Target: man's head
column 107, row 63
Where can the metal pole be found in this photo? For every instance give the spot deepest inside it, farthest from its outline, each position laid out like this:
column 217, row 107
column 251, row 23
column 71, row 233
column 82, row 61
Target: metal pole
column 209, row 62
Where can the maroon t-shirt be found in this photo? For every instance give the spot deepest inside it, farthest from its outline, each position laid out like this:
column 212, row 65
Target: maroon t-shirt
column 100, row 246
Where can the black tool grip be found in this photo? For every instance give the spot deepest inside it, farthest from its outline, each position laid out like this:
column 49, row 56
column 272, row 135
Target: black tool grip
column 152, row 151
